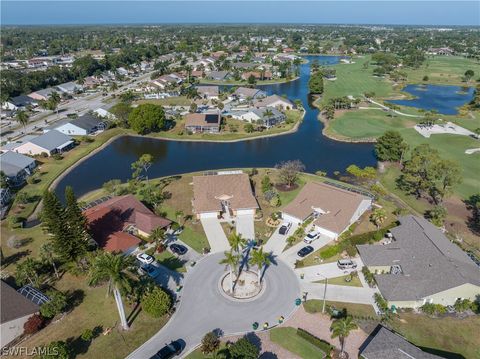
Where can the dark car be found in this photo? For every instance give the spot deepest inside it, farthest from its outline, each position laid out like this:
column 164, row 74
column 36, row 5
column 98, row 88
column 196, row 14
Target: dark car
column 284, row 228
column 169, row 350
column 305, row 251
column 178, row 249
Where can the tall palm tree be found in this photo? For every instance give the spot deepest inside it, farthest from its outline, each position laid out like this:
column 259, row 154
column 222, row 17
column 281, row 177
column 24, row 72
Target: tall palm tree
column 22, row 118
column 54, row 101
column 341, row 329
column 231, row 260
column 236, row 242
column 378, row 216
column 113, row 268
column 260, row 259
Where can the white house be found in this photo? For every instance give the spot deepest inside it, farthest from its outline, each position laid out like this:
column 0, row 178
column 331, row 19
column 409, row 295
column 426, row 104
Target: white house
column 333, row 209
column 50, row 143
column 82, row 126
column 274, row 101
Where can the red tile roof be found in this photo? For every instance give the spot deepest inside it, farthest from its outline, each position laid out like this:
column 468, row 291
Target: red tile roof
column 109, row 219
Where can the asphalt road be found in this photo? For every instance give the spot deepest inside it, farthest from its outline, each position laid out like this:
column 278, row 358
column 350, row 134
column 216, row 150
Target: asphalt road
column 203, row 308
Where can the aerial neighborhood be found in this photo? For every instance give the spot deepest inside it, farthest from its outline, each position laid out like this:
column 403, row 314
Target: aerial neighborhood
column 240, row 191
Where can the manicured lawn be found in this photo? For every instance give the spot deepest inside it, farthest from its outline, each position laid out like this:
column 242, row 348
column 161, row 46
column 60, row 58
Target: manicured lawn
column 169, row 101
column 358, row 310
column 49, row 169
column 354, row 80
column 446, row 334
column 232, row 130
column 170, row 261
column 197, row 353
column 96, row 310
column 355, row 281
column 446, row 70
column 287, row 338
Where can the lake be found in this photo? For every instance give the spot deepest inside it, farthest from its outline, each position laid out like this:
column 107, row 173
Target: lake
column 444, row 99
column 316, row 151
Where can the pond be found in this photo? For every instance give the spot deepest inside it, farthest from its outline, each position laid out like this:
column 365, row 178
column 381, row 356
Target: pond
column 316, row 151
column 444, row 99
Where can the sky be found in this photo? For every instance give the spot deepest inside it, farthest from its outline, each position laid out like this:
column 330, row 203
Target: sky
column 394, row 12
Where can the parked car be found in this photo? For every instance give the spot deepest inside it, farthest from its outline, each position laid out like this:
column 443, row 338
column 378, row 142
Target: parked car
column 284, row 228
column 169, row 350
column 346, row 264
column 150, row 270
column 305, row 251
column 311, row 236
column 144, row 258
column 178, row 249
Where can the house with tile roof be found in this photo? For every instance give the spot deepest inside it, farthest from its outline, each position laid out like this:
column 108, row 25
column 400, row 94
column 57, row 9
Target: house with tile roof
column 224, row 193
column 421, row 265
column 334, row 209
column 116, row 224
column 203, row 122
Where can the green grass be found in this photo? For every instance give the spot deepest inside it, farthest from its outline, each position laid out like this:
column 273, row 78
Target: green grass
column 358, row 310
column 169, row 101
column 170, row 261
column 197, row 353
column 355, row 282
column 446, row 70
column 49, row 169
column 96, row 310
column 178, row 132
column 287, row 338
column 442, row 333
column 354, row 80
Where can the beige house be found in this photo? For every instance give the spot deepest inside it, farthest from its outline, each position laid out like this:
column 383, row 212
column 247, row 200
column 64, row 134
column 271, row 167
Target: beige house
column 50, row 143
column 225, row 194
column 274, row 101
column 334, row 209
column 15, row 311
column 420, row 266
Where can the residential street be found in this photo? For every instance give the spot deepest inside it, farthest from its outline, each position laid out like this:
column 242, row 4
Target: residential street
column 203, row 308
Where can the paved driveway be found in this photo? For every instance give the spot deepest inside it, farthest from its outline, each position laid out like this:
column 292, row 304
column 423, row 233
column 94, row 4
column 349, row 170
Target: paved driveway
column 339, row 293
column 290, row 255
column 277, row 242
column 328, row 270
column 203, row 308
column 168, row 278
column 215, row 235
column 191, row 255
column 245, row 226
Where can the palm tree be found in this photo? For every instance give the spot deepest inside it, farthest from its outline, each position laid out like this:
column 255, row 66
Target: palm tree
column 236, row 242
column 378, row 216
column 22, row 118
column 231, row 260
column 260, row 259
column 112, row 268
column 157, row 235
column 47, row 254
column 53, row 101
column 340, row 329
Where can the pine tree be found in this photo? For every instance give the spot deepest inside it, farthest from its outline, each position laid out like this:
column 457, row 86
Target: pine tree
column 52, row 213
column 77, row 225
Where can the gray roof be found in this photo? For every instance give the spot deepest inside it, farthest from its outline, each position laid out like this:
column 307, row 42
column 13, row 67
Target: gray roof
column 69, row 86
column 14, row 305
column 45, row 92
column 261, row 112
column 51, row 140
column 389, row 345
column 267, row 101
column 22, row 100
column 87, row 121
column 14, row 144
column 12, row 163
column 219, row 75
column 430, row 263
column 248, row 92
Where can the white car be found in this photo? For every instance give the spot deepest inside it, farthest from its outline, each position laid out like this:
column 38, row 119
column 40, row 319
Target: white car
column 144, row 258
column 311, row 236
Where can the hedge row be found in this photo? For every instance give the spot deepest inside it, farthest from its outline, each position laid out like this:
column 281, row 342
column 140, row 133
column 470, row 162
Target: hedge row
column 350, row 243
column 321, row 344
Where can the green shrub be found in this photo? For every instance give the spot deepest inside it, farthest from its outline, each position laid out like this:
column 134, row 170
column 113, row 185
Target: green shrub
column 57, row 303
column 312, row 339
column 462, row 305
column 433, row 309
column 87, row 335
column 351, row 250
column 156, row 303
